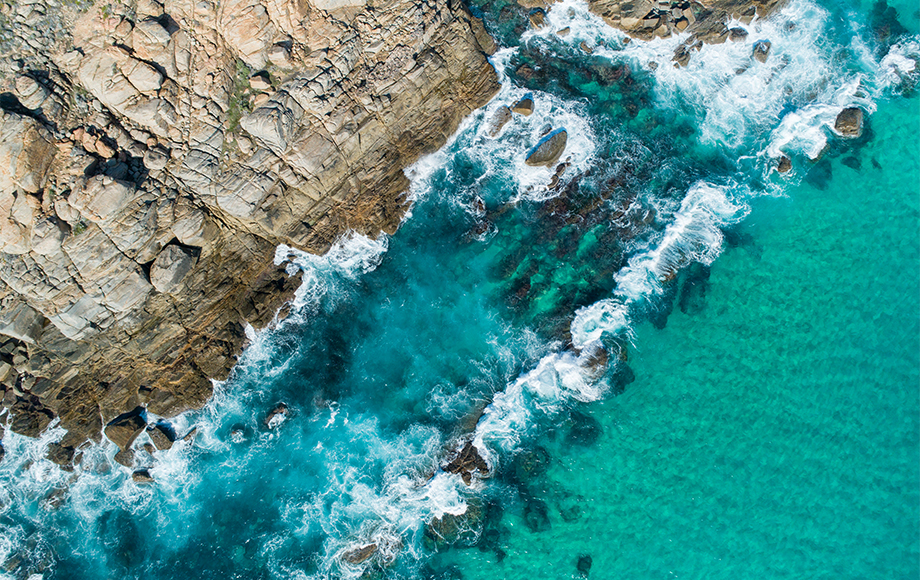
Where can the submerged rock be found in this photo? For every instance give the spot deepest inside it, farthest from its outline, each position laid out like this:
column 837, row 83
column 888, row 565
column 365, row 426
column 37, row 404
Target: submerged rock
column 548, row 150
column 849, row 122
column 584, row 564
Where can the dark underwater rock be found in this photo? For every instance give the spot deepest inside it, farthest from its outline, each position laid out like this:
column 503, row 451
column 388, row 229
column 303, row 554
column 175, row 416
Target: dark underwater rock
column 585, row 430
column 849, row 122
column 548, row 149
column 536, row 515
column 124, row 429
column 584, row 564
column 531, row 463
column 693, row 293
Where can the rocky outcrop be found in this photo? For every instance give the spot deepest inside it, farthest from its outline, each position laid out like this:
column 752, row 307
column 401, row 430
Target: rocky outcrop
column 849, row 122
column 153, row 155
column 704, row 22
column 548, row 149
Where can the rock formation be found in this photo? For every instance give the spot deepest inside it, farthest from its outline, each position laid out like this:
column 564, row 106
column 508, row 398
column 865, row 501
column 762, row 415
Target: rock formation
column 153, row 155
column 705, row 22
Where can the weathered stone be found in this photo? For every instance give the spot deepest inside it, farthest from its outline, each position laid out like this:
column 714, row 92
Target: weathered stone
column 375, row 88
column 125, row 428
column 849, row 122
column 26, row 153
column 523, row 106
column 142, row 476
column 501, row 116
column 162, row 435
column 260, row 82
column 548, row 150
column 467, row 462
column 359, row 555
column 171, row 267
column 784, row 164
column 762, row 50
column 125, row 457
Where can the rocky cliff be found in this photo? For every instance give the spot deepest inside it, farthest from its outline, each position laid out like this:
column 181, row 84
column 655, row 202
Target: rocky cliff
column 152, row 156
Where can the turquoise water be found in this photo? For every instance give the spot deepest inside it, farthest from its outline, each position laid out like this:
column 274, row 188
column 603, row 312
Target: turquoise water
column 759, row 416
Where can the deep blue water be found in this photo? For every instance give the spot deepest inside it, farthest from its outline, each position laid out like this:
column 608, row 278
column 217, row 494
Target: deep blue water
column 675, row 361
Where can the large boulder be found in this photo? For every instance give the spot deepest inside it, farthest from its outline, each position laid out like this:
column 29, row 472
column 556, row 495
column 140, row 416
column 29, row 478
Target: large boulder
column 467, row 462
column 171, row 267
column 26, row 153
column 124, row 429
column 849, row 122
column 548, row 149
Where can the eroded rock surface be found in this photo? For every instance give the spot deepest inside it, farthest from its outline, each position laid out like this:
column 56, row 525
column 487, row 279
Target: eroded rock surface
column 153, row 155
column 705, row 22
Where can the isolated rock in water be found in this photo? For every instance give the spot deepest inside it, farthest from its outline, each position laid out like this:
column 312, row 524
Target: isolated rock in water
column 171, row 267
column 524, row 106
column 762, row 50
column 125, row 428
column 548, row 149
column 276, row 416
column 501, row 116
column 2, row 452
column 784, row 165
column 142, row 476
column 849, row 122
column 359, row 555
column 468, row 462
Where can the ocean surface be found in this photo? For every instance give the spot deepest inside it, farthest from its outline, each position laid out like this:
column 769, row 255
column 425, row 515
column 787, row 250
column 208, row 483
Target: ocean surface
column 675, row 361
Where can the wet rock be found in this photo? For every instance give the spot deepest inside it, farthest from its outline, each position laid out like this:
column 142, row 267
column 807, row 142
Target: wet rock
column 190, row 436
column 735, row 34
column 171, row 267
column 450, row 529
column 849, row 122
column 2, row 452
column 584, row 564
column 548, row 150
column 498, row 120
column 276, row 416
column 359, row 555
column 762, row 50
column 142, row 476
column 125, row 457
column 467, row 462
column 784, row 165
column 125, row 428
column 523, row 106
column 162, row 435
column 62, row 455
column 537, row 18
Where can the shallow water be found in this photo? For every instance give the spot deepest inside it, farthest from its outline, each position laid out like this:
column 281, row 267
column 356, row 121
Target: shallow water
column 771, row 326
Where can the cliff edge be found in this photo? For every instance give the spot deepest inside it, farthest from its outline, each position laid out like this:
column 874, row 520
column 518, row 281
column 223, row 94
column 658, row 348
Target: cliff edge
column 152, row 157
